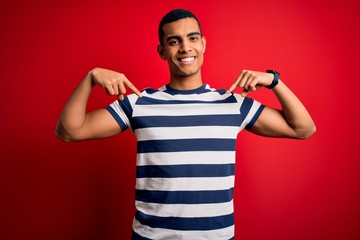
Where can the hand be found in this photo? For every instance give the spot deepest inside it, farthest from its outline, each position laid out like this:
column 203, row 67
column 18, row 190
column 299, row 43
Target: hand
column 251, row 81
column 113, row 82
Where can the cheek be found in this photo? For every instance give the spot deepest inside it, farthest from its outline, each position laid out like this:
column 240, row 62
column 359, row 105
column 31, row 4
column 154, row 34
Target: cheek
column 201, row 49
column 201, row 53
column 170, row 55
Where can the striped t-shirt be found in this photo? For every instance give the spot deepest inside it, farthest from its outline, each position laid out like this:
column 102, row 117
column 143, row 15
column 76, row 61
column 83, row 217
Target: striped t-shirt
column 186, row 143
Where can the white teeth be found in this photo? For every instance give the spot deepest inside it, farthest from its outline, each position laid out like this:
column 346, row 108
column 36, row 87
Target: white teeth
column 188, row 59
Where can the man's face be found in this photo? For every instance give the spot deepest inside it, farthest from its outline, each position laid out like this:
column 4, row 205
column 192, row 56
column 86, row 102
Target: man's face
column 183, row 47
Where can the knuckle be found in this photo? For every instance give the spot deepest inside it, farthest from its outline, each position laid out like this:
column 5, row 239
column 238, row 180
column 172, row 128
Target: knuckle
column 96, row 71
column 121, row 76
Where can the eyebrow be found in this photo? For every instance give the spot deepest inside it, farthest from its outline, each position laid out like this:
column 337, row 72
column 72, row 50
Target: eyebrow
column 178, row 37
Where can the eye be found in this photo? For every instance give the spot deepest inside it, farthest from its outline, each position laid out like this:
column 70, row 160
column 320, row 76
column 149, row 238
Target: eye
column 173, row 42
column 194, row 38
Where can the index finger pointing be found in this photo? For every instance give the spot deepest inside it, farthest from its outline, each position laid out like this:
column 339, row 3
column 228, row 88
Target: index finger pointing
column 232, row 87
column 132, row 88
column 237, row 81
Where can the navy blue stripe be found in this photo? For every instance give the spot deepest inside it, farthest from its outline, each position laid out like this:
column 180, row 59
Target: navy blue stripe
column 173, row 91
column 253, row 120
column 151, row 90
column 186, row 121
column 245, row 107
column 200, row 90
column 186, row 224
column 152, row 101
column 117, row 118
column 194, row 170
column 136, row 236
column 126, row 107
column 184, row 197
column 186, row 145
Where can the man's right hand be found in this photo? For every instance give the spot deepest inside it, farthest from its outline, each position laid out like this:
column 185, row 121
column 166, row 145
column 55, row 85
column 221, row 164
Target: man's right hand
column 76, row 124
column 115, row 83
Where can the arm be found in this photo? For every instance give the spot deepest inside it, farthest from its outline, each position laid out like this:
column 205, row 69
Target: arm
column 293, row 121
column 75, row 124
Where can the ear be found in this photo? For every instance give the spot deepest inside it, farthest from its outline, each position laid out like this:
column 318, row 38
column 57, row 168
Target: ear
column 161, row 50
column 203, row 39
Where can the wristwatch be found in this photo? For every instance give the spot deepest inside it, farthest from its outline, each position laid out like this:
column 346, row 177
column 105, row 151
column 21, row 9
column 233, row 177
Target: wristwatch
column 275, row 81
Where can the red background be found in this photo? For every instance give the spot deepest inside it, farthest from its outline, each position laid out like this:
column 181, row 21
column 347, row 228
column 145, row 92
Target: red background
column 285, row 189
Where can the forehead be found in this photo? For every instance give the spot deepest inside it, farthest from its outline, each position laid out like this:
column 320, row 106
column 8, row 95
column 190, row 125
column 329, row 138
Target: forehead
column 181, row 27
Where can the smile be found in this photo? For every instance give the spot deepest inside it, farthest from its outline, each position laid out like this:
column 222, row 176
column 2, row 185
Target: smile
column 187, row 60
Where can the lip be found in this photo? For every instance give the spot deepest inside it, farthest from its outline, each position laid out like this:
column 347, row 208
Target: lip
column 186, row 60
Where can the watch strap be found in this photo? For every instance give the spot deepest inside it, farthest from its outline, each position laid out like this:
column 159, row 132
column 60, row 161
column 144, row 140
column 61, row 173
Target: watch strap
column 275, row 81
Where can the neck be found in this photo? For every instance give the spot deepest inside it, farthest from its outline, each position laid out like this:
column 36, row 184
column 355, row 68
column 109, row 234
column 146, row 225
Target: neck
column 186, row 82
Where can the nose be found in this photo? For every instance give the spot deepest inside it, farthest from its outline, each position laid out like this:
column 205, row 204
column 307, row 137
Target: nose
column 185, row 46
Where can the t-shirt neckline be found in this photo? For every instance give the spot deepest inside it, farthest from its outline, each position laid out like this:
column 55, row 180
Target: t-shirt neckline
column 198, row 90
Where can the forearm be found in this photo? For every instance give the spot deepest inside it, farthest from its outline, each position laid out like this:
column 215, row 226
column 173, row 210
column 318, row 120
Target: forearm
column 73, row 115
column 295, row 113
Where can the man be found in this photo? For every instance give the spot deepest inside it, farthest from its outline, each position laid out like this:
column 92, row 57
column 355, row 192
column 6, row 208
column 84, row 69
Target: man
column 186, row 134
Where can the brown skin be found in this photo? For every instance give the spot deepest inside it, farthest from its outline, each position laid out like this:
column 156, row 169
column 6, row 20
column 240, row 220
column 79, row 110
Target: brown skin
column 75, row 124
column 182, row 39
column 183, row 49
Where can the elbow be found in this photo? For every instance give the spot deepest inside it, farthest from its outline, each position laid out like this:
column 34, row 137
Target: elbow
column 304, row 134
column 63, row 135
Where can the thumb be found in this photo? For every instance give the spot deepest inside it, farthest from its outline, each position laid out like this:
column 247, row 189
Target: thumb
column 245, row 93
column 121, row 96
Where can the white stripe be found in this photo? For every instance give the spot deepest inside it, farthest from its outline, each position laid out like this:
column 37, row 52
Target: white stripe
column 115, row 105
column 185, row 109
column 162, row 133
column 254, row 107
column 185, row 184
column 185, row 210
column 250, row 115
column 132, row 99
column 204, row 97
column 207, row 86
column 160, row 233
column 175, row 158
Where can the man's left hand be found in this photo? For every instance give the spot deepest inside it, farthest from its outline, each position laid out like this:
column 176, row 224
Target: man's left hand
column 251, row 81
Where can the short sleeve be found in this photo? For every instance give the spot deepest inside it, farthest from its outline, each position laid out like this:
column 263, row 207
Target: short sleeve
column 250, row 111
column 122, row 111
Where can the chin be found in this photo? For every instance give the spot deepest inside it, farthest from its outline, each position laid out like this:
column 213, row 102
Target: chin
column 186, row 74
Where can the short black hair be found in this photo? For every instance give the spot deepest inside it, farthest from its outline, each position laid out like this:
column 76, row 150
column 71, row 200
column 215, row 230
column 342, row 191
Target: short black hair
column 172, row 16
